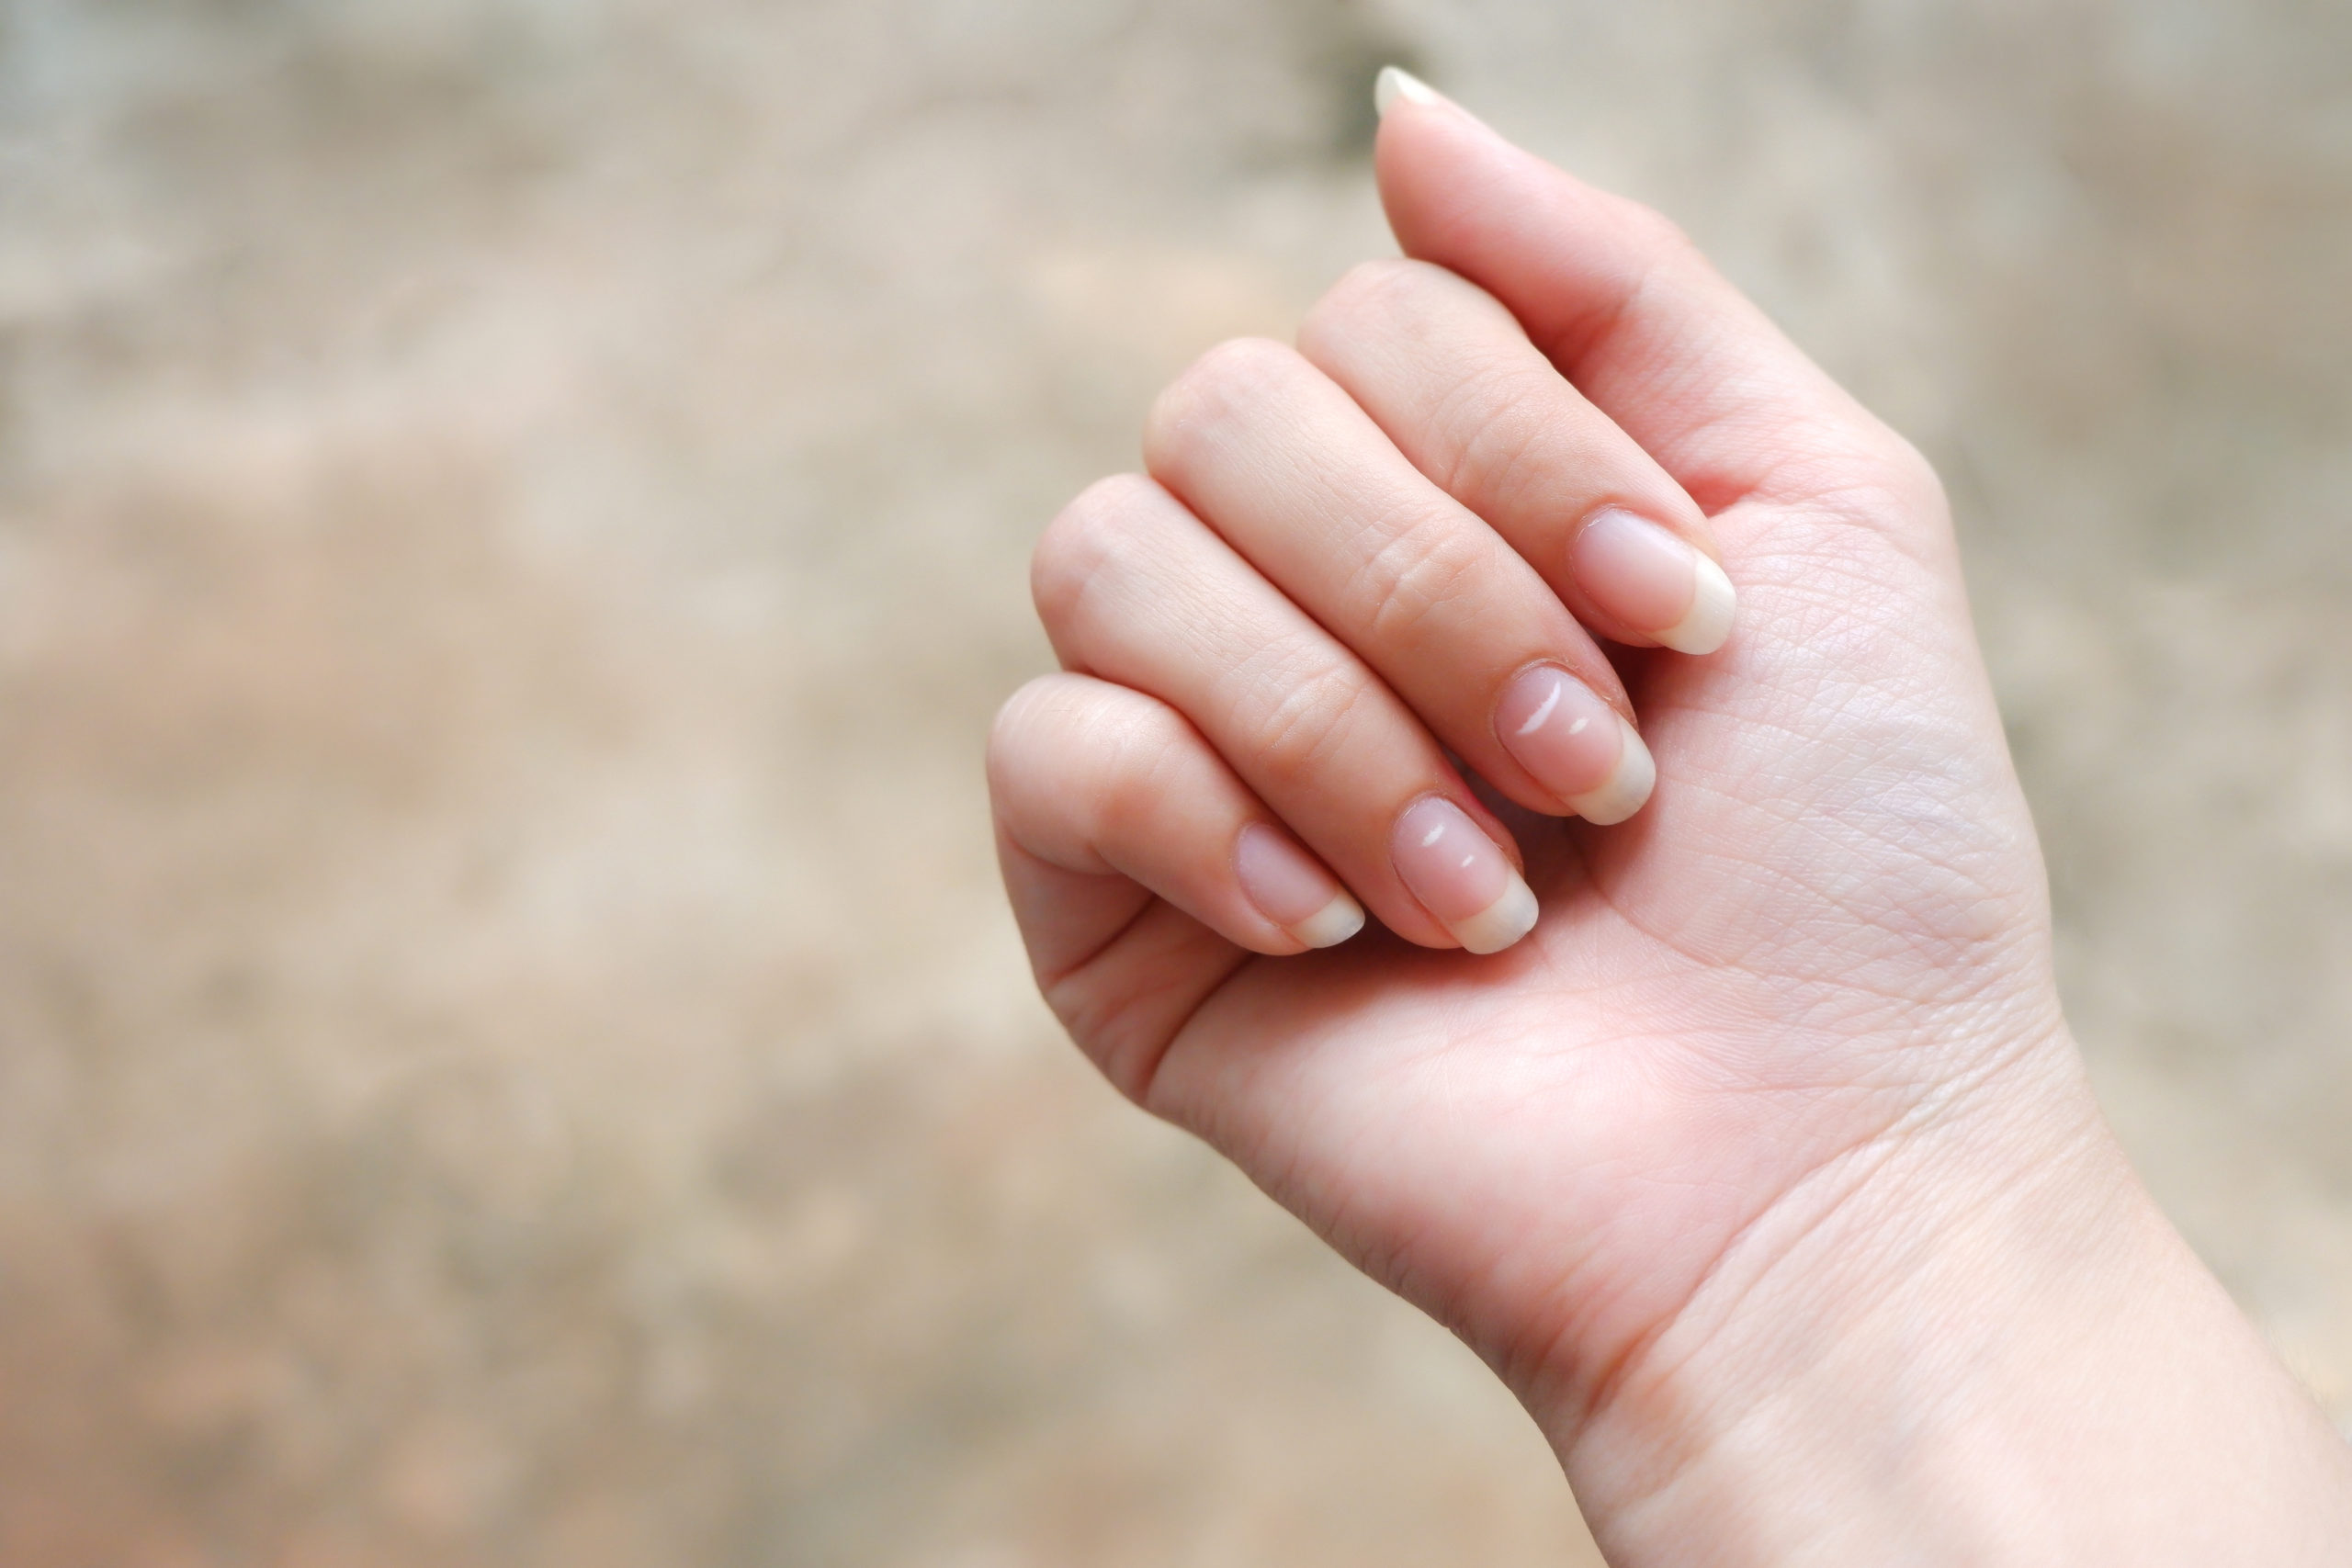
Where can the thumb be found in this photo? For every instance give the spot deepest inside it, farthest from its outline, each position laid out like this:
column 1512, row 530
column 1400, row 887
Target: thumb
column 1624, row 305
column 1854, row 667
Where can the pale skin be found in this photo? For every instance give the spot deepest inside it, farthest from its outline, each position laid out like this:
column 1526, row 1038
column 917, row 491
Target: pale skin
column 1762, row 1167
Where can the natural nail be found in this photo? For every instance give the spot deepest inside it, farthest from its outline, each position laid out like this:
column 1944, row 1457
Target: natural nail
column 1395, row 83
column 1292, row 890
column 1575, row 745
column 1652, row 580
column 1461, row 877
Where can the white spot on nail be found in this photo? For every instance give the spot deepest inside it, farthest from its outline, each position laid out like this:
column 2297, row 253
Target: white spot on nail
column 1435, row 835
column 1469, row 860
column 1536, row 721
column 1581, row 726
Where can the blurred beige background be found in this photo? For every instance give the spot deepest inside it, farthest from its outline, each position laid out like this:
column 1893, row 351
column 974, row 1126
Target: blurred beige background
column 511, row 527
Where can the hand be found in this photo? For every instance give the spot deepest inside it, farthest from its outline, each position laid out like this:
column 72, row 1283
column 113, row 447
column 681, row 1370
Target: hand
column 1762, row 1165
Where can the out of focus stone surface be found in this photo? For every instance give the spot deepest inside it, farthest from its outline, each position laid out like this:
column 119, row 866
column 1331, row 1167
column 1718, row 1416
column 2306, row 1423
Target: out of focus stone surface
column 511, row 526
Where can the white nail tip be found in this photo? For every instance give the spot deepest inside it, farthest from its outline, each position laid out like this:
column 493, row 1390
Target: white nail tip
column 1332, row 925
column 1703, row 629
column 1500, row 923
column 1394, row 83
column 1629, row 786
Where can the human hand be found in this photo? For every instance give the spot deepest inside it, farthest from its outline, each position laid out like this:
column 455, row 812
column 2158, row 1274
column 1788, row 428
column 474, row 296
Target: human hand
column 1761, row 1142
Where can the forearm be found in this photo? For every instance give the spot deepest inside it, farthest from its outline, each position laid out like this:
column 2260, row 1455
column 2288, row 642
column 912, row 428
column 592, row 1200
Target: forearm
column 1982, row 1345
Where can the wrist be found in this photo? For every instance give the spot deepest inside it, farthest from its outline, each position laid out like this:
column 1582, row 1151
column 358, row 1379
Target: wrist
column 1977, row 1341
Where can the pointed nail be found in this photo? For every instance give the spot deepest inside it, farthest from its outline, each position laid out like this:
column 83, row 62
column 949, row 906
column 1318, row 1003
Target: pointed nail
column 1654, row 579
column 1461, row 877
column 1292, row 890
column 1395, row 83
column 1575, row 745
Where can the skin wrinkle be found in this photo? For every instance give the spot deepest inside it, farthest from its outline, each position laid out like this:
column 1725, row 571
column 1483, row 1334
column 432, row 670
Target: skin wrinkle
column 1948, row 885
column 1016, row 717
column 1594, row 1404
column 1444, row 567
column 1295, row 660
column 1230, row 394
column 1839, row 977
column 1326, row 711
column 1390, row 1262
column 1464, row 379
column 1135, row 791
column 1070, row 556
column 1876, row 1284
column 1102, row 1036
column 1815, row 1014
column 1128, row 569
column 1502, row 459
column 1374, row 297
column 1233, row 385
column 1579, row 1308
column 1838, row 961
column 1576, row 341
column 1512, row 478
column 1073, row 975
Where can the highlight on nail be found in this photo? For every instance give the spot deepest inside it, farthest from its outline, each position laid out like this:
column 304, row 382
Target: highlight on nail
column 1461, row 877
column 1655, row 581
column 1292, row 890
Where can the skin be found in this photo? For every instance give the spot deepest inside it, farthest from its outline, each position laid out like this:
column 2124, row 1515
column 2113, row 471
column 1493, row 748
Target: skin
column 1763, row 1169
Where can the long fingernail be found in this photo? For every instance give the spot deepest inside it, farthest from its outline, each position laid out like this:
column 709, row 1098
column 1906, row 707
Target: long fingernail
column 1395, row 83
column 1461, row 877
column 1575, row 745
column 1292, row 891
column 1654, row 581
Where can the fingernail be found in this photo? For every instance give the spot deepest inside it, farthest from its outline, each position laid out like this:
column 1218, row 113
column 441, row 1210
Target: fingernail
column 1654, row 581
column 1575, row 745
column 1395, row 83
column 1461, row 877
column 1292, row 891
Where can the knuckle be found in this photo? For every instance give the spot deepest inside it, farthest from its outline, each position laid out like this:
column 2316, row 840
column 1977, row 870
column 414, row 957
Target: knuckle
column 1226, row 383
column 1311, row 708
column 1423, row 570
column 1099, row 760
column 1022, row 733
column 1911, row 476
column 1369, row 289
column 1134, row 775
column 1090, row 534
column 1505, row 442
column 1654, row 232
column 1396, row 297
column 1013, row 730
